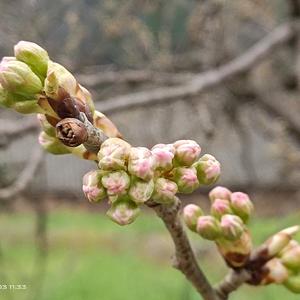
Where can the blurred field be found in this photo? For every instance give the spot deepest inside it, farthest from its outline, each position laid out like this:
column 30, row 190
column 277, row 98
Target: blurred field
column 89, row 255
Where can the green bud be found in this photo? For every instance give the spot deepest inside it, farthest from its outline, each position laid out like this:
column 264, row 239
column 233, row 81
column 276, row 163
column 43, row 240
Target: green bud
column 123, row 212
column 232, row 227
column 236, row 253
column 293, row 283
column 113, row 154
column 191, row 213
column 164, row 191
column 27, row 107
column 208, row 227
column 46, row 126
column 52, row 144
column 5, row 99
column 17, row 77
column 241, row 205
column 291, row 257
column 274, row 272
column 116, row 183
column 34, row 56
column 186, row 179
column 140, row 191
column 220, row 207
column 92, row 186
column 208, row 169
column 58, row 77
column 279, row 241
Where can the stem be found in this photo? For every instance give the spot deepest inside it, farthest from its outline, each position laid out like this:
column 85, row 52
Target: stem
column 231, row 282
column 185, row 259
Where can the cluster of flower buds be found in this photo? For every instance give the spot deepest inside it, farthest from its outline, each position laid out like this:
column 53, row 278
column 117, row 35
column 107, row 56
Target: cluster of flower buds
column 226, row 224
column 31, row 83
column 130, row 176
column 282, row 254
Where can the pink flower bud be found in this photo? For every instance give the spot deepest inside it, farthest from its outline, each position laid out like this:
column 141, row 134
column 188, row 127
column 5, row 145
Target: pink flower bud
column 186, row 179
column 219, row 192
column 274, row 272
column 232, row 227
column 290, row 257
column 141, row 191
column 113, row 154
column 191, row 213
column 293, row 283
column 163, row 156
column 92, row 186
column 164, row 191
column 116, row 183
column 186, row 152
column 208, row 227
column 208, row 169
column 123, row 212
column 236, row 253
column 141, row 163
column 241, row 205
column 220, row 207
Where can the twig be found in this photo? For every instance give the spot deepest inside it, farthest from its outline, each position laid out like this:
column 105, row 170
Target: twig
column 207, row 79
column 185, row 260
column 231, row 282
column 25, row 177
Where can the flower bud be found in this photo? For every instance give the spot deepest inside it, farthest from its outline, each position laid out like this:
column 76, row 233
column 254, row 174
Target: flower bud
column 236, row 253
column 241, row 205
column 116, row 183
column 92, row 186
column 141, row 191
column 140, row 163
column 293, row 283
column 274, row 272
column 123, row 212
column 46, row 126
column 105, row 124
column 208, row 227
column 59, row 78
column 113, row 154
column 219, row 192
column 163, row 156
column 52, row 144
column 232, row 227
column 27, row 107
column 191, row 213
column 186, row 179
column 278, row 241
column 5, row 98
column 34, row 56
column 208, row 169
column 17, row 77
column 186, row 152
column 220, row 207
column 7, row 58
column 164, row 191
column 291, row 257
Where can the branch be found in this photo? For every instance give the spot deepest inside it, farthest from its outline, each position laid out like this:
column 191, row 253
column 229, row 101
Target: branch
column 205, row 80
column 231, row 282
column 184, row 255
column 132, row 76
column 25, row 177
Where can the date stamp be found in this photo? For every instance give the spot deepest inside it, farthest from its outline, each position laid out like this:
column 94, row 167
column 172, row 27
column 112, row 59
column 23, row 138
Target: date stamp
column 4, row 287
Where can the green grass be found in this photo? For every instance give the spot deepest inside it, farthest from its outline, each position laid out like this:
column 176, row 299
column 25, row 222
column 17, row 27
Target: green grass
column 92, row 258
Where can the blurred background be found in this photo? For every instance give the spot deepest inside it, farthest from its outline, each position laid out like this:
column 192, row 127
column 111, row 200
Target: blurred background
column 60, row 246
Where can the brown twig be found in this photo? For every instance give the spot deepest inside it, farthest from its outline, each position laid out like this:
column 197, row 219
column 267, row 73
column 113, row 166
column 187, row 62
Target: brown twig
column 185, row 259
column 25, row 176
